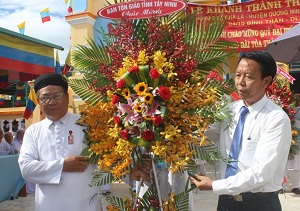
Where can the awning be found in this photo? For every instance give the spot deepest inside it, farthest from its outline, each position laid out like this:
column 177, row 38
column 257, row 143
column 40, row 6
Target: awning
column 25, row 54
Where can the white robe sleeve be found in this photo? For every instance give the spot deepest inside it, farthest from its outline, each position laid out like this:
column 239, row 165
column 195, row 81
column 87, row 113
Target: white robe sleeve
column 35, row 170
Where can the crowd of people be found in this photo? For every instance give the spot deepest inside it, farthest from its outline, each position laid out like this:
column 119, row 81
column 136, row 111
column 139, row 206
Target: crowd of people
column 11, row 141
column 10, row 144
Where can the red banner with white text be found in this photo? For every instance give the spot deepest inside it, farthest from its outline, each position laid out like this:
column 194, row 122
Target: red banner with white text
column 253, row 24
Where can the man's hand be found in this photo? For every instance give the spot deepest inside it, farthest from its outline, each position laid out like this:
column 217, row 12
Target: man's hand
column 75, row 164
column 203, row 182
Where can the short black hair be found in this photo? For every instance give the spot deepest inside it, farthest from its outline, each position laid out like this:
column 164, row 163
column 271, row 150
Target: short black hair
column 267, row 64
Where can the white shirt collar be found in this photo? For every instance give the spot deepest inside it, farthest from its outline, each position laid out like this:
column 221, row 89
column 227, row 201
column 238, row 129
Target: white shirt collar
column 63, row 120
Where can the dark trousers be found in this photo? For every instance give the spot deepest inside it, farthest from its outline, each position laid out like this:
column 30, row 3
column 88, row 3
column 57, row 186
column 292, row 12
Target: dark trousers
column 227, row 203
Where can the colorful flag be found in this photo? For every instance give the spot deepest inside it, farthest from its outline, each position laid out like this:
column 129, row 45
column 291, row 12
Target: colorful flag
column 57, row 64
column 21, row 27
column 67, row 67
column 2, row 99
column 70, row 4
column 18, row 101
column 45, row 15
column 30, row 104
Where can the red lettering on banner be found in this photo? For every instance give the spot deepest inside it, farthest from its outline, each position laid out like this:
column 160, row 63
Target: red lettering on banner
column 253, row 24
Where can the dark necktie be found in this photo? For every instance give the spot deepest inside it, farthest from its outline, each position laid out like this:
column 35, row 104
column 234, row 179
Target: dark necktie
column 236, row 144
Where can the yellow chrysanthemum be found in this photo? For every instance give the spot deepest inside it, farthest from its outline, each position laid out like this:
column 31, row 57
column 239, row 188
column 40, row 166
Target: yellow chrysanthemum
column 141, row 88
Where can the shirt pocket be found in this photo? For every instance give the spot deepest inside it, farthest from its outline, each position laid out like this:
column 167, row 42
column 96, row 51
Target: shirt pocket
column 247, row 153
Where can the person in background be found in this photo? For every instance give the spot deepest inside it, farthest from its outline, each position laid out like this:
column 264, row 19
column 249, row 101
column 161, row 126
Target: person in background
column 255, row 169
column 50, row 153
column 15, row 126
column 8, row 136
column 5, row 148
column 6, row 126
column 23, row 124
column 18, row 140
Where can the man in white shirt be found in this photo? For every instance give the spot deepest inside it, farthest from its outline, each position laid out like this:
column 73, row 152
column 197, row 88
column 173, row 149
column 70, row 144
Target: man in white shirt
column 264, row 149
column 50, row 153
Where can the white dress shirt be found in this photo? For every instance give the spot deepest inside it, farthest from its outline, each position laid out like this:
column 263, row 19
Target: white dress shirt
column 264, row 151
column 45, row 145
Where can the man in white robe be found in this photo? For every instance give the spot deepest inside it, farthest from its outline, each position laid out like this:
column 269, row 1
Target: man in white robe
column 50, row 153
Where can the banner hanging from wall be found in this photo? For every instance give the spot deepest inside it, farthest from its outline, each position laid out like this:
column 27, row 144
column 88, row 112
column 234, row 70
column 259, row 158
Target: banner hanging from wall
column 253, row 24
column 139, row 9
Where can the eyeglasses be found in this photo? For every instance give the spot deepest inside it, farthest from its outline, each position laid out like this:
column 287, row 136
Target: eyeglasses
column 47, row 98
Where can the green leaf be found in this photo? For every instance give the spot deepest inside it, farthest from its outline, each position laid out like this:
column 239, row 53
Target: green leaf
column 101, row 178
column 130, row 79
column 141, row 142
column 82, row 88
column 210, row 154
column 143, row 73
column 159, row 81
column 116, row 202
column 85, row 152
column 182, row 201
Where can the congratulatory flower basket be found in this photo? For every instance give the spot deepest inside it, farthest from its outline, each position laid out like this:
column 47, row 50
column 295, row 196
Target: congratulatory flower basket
column 152, row 86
